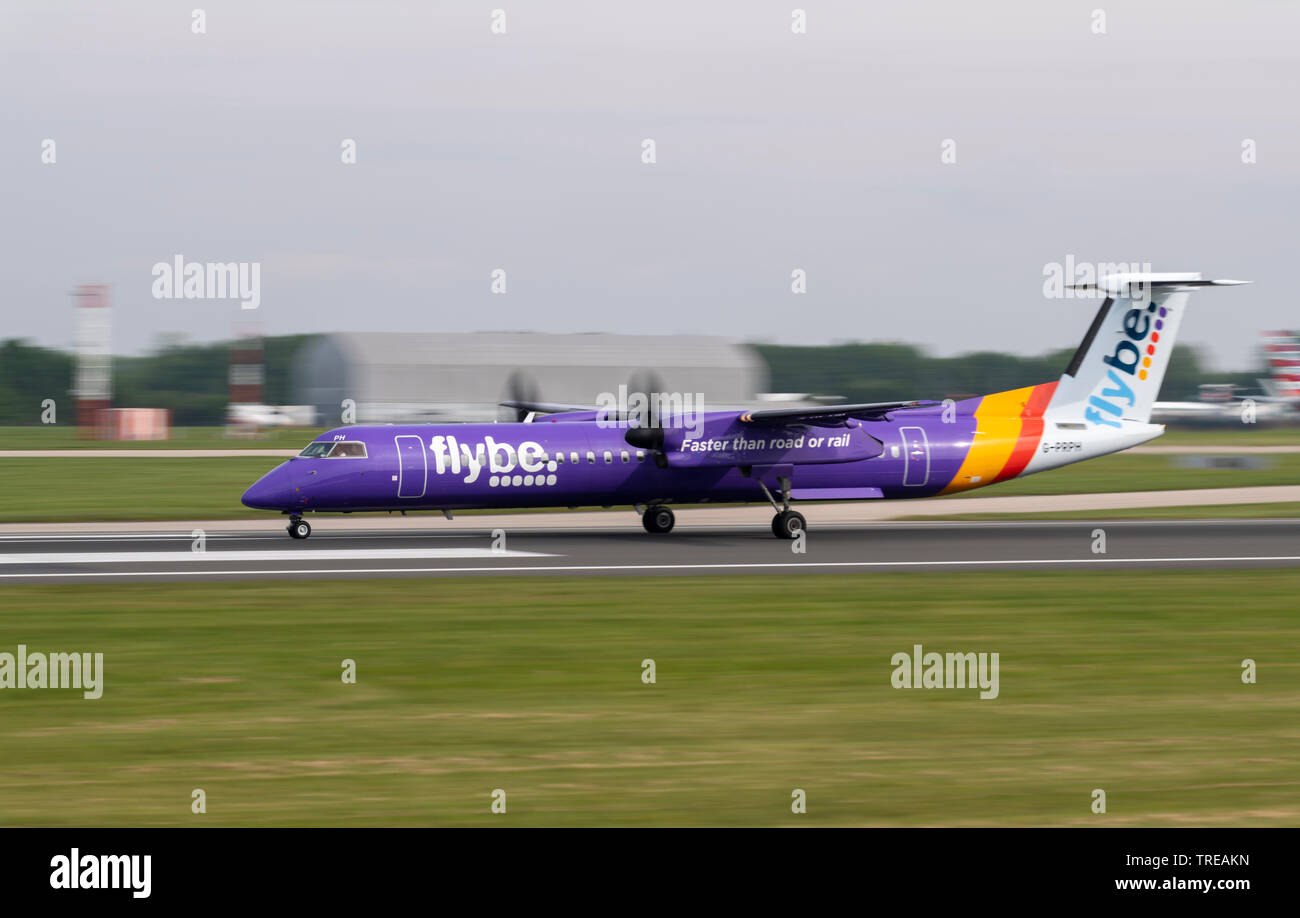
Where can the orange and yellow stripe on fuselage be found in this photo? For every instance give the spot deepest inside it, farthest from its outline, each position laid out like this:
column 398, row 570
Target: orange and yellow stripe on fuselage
column 1008, row 427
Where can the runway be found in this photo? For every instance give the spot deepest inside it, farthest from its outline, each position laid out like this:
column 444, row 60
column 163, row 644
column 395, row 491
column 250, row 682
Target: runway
column 163, row 556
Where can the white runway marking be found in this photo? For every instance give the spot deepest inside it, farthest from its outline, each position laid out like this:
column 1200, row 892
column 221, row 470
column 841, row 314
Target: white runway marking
column 215, row 536
column 209, row 557
column 119, row 537
column 542, row 568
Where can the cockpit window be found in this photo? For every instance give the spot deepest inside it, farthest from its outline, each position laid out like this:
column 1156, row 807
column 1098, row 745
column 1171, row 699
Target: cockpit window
column 342, row 449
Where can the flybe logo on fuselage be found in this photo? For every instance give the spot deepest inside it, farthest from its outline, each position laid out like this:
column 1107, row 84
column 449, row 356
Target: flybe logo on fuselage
column 1127, row 365
column 450, row 455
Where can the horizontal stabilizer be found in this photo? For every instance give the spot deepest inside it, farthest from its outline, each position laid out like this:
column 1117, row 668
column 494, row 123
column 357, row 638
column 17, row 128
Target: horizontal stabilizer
column 1127, row 284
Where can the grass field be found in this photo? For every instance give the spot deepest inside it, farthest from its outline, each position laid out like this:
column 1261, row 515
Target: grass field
column 1238, row 435
column 65, row 436
column 1125, row 682
column 1129, row 472
column 88, row 488
column 102, row 489
column 1280, row 510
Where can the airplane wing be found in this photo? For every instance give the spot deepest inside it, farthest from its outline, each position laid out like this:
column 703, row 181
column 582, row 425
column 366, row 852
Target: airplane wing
column 546, row 407
column 824, row 416
column 829, row 415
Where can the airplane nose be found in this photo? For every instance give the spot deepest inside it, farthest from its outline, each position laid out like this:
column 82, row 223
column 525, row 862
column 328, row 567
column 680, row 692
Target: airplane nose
column 270, row 492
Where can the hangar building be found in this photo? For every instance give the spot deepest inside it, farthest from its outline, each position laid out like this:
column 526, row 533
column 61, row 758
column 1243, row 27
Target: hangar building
column 395, row 377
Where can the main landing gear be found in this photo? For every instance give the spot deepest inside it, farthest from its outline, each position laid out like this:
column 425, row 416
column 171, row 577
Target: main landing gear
column 299, row 528
column 787, row 524
column 658, row 519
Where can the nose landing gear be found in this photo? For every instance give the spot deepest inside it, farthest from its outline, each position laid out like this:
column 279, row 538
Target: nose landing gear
column 299, row 528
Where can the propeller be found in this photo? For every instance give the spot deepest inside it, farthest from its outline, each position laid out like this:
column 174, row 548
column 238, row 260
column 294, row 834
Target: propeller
column 520, row 387
column 649, row 384
column 643, row 436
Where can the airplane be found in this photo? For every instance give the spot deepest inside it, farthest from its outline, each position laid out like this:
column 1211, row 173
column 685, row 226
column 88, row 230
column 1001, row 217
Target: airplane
column 572, row 456
column 249, row 414
column 1219, row 404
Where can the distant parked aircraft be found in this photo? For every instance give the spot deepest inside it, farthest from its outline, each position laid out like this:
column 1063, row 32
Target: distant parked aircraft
column 256, row 415
column 1220, row 403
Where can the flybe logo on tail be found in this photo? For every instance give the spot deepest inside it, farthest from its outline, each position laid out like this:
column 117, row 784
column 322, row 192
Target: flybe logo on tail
column 1130, row 359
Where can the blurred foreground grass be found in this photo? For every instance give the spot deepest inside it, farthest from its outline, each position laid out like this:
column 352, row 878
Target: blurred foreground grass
column 1126, row 681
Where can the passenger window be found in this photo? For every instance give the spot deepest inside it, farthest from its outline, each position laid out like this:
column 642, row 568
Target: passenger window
column 626, row 458
column 640, row 455
column 609, row 457
column 574, row 457
column 559, row 458
column 591, row 458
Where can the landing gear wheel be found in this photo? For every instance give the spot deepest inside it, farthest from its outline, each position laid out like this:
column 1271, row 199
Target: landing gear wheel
column 658, row 519
column 299, row 529
column 788, row 523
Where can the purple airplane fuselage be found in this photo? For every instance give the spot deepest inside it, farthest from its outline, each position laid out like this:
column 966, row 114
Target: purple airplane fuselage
column 560, row 462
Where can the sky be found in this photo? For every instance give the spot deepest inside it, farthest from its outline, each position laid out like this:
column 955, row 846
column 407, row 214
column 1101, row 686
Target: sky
column 477, row 151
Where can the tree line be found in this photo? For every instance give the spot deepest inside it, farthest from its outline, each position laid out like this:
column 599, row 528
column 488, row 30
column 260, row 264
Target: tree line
column 890, row 372
column 192, row 380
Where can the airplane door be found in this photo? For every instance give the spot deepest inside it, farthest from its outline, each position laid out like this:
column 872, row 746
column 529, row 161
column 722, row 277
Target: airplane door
column 412, row 466
column 916, row 456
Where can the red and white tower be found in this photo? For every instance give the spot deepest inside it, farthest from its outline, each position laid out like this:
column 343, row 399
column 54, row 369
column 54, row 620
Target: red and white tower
column 247, row 376
column 93, row 388
column 247, row 381
column 1282, row 351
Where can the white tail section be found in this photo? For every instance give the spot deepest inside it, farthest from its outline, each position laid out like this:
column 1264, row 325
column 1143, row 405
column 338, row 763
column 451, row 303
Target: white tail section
column 1116, row 372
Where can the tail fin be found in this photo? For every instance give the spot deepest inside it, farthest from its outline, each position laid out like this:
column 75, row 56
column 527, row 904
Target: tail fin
column 1117, row 370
